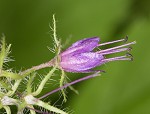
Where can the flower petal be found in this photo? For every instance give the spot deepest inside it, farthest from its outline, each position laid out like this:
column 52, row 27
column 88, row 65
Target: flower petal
column 82, row 46
column 81, row 62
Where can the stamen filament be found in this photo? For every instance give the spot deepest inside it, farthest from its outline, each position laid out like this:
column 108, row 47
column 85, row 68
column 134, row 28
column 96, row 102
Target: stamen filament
column 118, row 58
column 115, row 41
column 114, row 51
column 110, row 49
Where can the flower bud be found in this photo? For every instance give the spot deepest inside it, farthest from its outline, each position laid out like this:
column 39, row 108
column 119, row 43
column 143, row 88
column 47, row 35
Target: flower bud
column 80, row 57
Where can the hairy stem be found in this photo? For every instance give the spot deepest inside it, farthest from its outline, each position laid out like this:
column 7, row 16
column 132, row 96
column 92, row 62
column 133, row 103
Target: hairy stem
column 48, row 107
column 38, row 67
column 34, row 101
column 3, row 52
column 32, row 110
column 14, row 88
column 8, row 111
column 54, row 32
column 29, row 84
column 46, row 78
column 61, row 84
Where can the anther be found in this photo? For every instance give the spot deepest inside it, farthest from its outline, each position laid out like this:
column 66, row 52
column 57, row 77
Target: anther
column 129, row 49
column 130, row 56
column 103, row 71
column 126, row 38
column 131, row 59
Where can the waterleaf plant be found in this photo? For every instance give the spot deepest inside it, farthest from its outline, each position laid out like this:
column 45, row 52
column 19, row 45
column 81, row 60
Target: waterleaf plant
column 81, row 57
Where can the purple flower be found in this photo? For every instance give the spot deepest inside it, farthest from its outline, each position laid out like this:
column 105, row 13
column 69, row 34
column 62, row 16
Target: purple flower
column 81, row 57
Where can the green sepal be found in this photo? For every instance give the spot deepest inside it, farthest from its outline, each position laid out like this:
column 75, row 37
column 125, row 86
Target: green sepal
column 4, row 85
column 2, row 52
column 10, row 75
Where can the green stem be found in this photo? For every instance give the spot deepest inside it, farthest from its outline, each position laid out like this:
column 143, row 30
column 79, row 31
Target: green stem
column 73, row 89
column 1, row 94
column 3, row 52
column 29, row 84
column 5, row 85
column 7, row 108
column 38, row 67
column 10, row 75
column 49, row 107
column 61, row 84
column 14, row 88
column 21, row 107
column 30, row 100
column 46, row 78
column 32, row 111
column 54, row 32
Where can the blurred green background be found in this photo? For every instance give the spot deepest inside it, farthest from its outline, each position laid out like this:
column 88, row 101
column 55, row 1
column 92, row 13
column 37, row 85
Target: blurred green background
column 125, row 88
